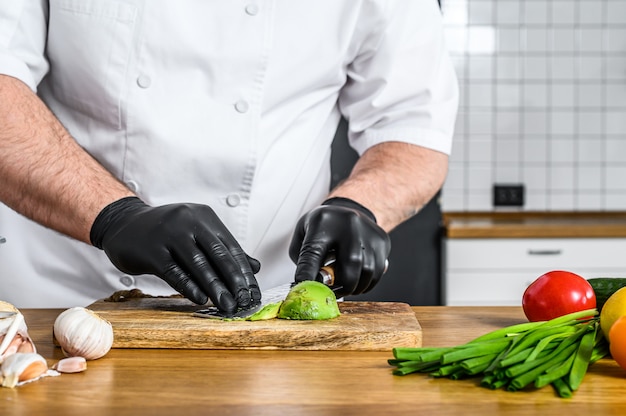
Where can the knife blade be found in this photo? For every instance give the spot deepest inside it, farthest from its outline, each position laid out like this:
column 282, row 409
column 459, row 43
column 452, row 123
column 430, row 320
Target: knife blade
column 273, row 295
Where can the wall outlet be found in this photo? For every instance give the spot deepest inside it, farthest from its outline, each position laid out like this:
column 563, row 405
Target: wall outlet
column 511, row 195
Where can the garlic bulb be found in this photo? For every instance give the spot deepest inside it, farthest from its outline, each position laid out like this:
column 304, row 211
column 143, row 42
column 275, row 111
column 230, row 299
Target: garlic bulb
column 7, row 307
column 82, row 333
column 21, row 367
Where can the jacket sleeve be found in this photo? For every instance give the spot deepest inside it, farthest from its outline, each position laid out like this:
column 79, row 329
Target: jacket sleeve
column 401, row 84
column 23, row 28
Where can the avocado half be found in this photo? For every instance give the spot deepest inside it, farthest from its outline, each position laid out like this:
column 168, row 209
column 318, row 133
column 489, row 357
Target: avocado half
column 309, row 300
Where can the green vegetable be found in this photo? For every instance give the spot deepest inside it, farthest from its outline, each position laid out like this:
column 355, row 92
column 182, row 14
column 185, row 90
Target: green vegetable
column 269, row 311
column 604, row 287
column 556, row 352
column 309, row 300
column 582, row 358
column 562, row 388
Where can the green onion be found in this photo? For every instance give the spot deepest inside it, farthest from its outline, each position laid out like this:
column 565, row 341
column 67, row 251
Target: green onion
column 562, row 388
column 479, row 350
column 556, row 352
column 581, row 361
column 556, row 372
column 526, row 378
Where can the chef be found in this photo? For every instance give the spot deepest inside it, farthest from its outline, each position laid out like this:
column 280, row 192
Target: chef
column 185, row 146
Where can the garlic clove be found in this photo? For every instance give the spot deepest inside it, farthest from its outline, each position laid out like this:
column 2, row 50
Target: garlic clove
column 13, row 332
column 9, row 322
column 83, row 333
column 71, row 365
column 20, row 367
column 13, row 346
column 27, row 345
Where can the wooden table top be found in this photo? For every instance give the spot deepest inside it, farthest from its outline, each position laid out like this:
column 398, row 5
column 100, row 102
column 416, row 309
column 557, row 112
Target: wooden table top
column 535, row 225
column 206, row 382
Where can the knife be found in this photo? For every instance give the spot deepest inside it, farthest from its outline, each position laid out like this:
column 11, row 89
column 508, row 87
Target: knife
column 273, row 295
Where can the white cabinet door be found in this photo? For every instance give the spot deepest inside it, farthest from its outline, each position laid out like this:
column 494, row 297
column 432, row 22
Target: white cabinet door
column 497, row 271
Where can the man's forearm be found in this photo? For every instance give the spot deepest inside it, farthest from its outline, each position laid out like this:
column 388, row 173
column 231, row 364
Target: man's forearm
column 45, row 174
column 394, row 180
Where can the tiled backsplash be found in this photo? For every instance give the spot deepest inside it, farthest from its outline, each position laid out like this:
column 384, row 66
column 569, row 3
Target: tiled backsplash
column 543, row 103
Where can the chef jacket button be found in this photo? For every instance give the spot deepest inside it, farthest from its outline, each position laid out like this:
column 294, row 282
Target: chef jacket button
column 127, row 280
column 132, row 185
column 144, row 81
column 252, row 9
column 242, row 106
column 233, row 200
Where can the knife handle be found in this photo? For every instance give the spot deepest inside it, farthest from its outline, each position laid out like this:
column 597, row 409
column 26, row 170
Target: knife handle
column 327, row 275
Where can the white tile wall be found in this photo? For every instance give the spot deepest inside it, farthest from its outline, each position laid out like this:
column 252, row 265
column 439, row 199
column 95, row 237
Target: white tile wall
column 543, row 103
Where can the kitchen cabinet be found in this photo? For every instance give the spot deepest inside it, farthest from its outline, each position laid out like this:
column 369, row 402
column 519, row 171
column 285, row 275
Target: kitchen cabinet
column 496, row 271
column 490, row 258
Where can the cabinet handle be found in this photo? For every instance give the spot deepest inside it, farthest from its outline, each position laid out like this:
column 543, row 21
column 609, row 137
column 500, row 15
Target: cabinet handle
column 555, row 252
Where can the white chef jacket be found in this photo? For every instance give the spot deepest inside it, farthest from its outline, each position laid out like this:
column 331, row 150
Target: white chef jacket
column 229, row 103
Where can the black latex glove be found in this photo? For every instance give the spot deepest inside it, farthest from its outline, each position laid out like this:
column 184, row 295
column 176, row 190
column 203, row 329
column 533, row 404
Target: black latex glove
column 348, row 229
column 184, row 244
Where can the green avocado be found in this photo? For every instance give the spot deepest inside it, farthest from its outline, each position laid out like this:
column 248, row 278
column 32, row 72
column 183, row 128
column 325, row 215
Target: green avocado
column 269, row 311
column 309, row 300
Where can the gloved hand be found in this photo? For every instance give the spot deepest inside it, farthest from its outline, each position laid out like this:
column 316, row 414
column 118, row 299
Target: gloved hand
column 184, row 244
column 348, row 229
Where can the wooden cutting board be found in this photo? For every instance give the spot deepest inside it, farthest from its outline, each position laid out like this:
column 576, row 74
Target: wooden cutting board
column 169, row 323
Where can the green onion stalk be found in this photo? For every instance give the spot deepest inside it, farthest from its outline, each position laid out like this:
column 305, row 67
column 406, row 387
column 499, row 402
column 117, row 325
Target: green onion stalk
column 533, row 354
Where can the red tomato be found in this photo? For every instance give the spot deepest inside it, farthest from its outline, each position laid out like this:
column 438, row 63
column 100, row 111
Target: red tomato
column 617, row 335
column 557, row 293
